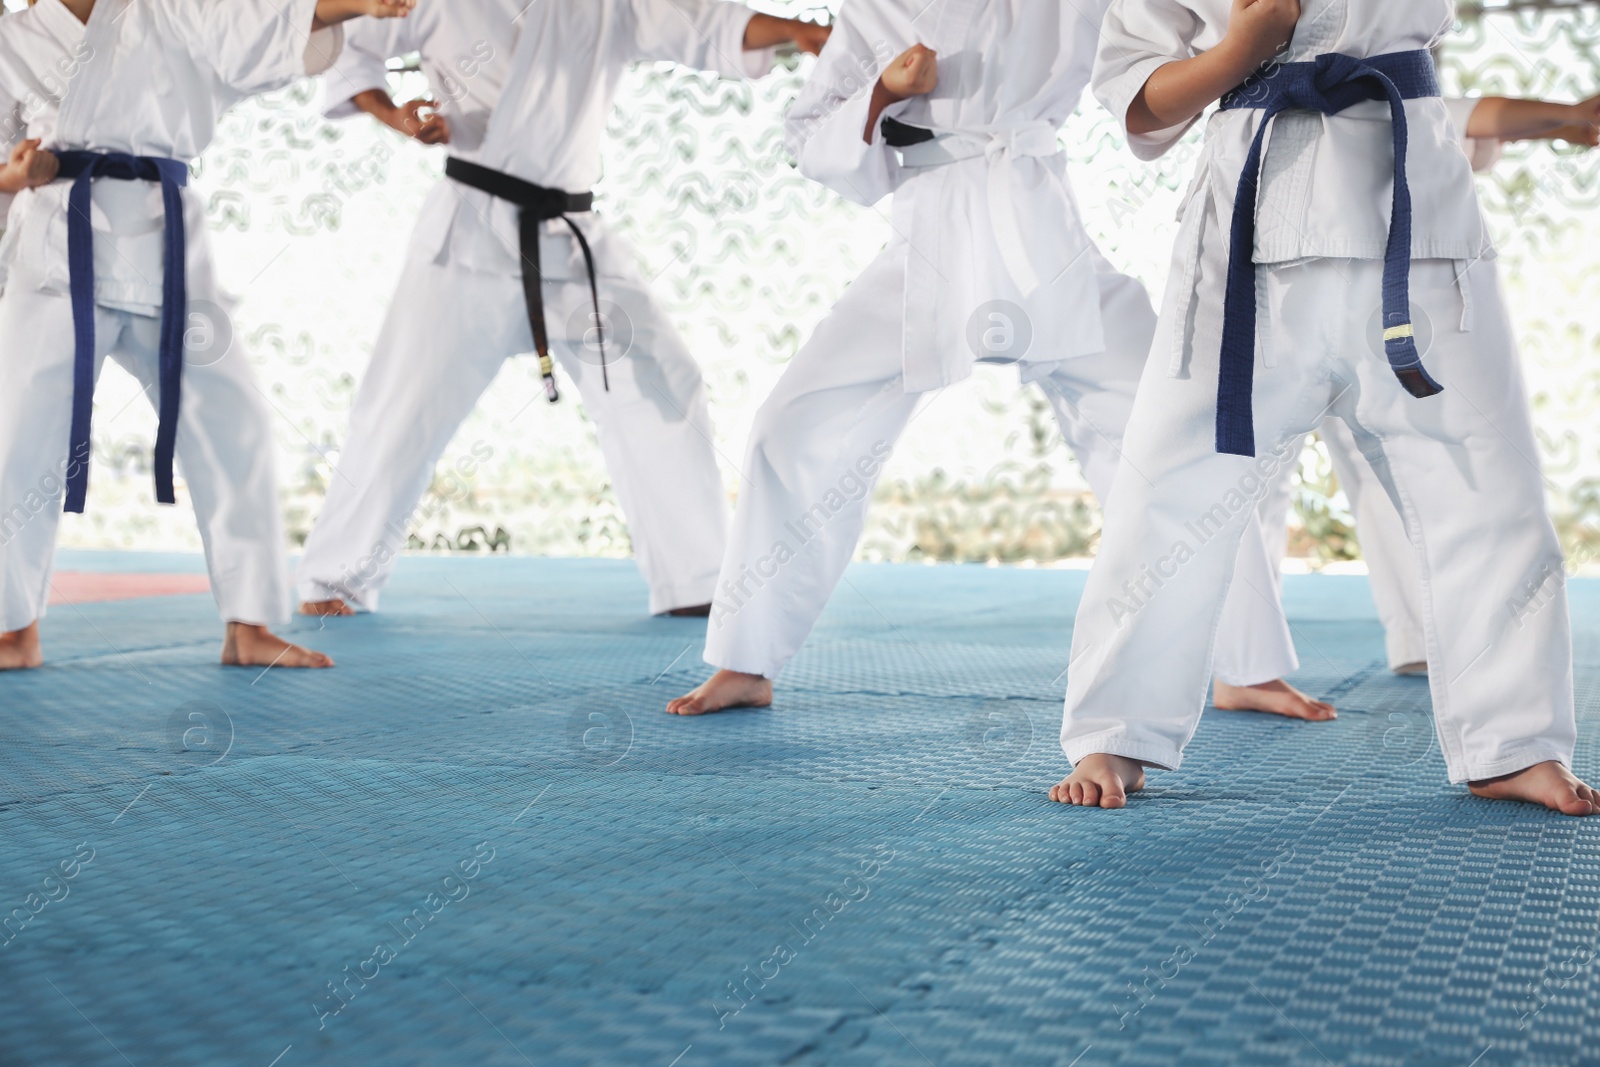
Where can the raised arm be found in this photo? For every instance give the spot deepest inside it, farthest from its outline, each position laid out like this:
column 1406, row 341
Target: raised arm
column 828, row 131
column 1502, row 118
column 358, row 83
column 769, row 31
column 914, row 72
column 257, row 46
column 716, row 35
column 333, row 12
column 1178, row 92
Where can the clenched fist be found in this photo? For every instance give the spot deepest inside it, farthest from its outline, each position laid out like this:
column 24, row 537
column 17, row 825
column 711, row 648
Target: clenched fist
column 1261, row 29
column 29, row 166
column 914, row 72
column 421, row 119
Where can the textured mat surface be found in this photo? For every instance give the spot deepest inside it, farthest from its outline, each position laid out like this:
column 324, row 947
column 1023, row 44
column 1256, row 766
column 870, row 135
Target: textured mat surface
column 479, row 841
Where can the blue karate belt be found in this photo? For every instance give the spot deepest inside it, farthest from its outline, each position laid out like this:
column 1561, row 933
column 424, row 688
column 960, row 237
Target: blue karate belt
column 83, row 168
column 1330, row 84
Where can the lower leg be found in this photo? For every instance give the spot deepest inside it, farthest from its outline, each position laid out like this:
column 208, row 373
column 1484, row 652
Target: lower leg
column 652, row 420
column 816, row 450
column 1462, row 472
column 326, row 609
column 1255, row 648
column 19, row 649
column 252, row 645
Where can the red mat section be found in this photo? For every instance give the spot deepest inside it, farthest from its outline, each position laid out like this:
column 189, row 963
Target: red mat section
column 87, row 587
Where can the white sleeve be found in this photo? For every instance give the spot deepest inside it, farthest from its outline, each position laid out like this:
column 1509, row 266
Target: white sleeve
column 1483, row 152
column 825, row 130
column 1138, row 38
column 257, row 46
column 703, row 34
column 364, row 63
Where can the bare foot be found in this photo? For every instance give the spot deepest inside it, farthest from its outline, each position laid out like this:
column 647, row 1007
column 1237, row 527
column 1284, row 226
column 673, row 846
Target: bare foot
column 724, row 690
column 1274, row 698
column 326, row 608
column 1100, row 781
column 1548, row 783
column 255, row 646
column 1413, row 670
column 698, row 611
column 19, row 649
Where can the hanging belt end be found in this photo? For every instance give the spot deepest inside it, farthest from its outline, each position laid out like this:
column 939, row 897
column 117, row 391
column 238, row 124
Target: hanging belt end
column 547, row 369
column 1400, row 345
column 1418, row 382
column 1236, row 441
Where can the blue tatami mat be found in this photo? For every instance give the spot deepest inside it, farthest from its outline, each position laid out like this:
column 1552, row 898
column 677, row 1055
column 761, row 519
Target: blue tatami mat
column 479, row 841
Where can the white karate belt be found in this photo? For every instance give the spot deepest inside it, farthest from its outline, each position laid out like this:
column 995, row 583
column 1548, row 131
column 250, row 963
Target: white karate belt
column 1037, row 140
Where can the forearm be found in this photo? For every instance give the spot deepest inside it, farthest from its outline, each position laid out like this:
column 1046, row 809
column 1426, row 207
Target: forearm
column 882, row 99
column 1179, row 91
column 332, row 12
column 1502, row 119
column 380, row 105
column 769, row 31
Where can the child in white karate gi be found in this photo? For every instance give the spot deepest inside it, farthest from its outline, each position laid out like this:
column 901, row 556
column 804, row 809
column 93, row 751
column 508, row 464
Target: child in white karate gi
column 1310, row 276
column 108, row 102
column 988, row 248
column 508, row 257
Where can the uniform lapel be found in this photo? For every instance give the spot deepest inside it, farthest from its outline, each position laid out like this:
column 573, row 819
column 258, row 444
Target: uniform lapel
column 86, row 87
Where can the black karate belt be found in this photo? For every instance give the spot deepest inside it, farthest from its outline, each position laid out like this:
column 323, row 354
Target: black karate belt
column 539, row 205
column 1329, row 85
column 899, row 134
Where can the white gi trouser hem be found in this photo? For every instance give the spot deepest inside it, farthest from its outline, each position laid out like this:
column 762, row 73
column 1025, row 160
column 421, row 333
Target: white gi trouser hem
column 1524, row 758
column 1118, row 743
column 688, row 594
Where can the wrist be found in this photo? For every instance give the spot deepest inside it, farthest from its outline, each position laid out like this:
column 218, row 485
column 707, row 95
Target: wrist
column 1239, row 58
column 883, row 96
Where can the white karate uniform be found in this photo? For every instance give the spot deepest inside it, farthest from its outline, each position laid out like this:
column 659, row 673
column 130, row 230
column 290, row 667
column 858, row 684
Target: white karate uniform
column 1391, row 562
column 148, row 77
column 527, row 91
column 1463, row 465
column 988, row 247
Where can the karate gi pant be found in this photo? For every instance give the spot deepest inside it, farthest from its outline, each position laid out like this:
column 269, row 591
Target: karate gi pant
column 1385, row 545
column 1462, row 468
column 445, row 337
column 820, row 440
column 224, row 452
